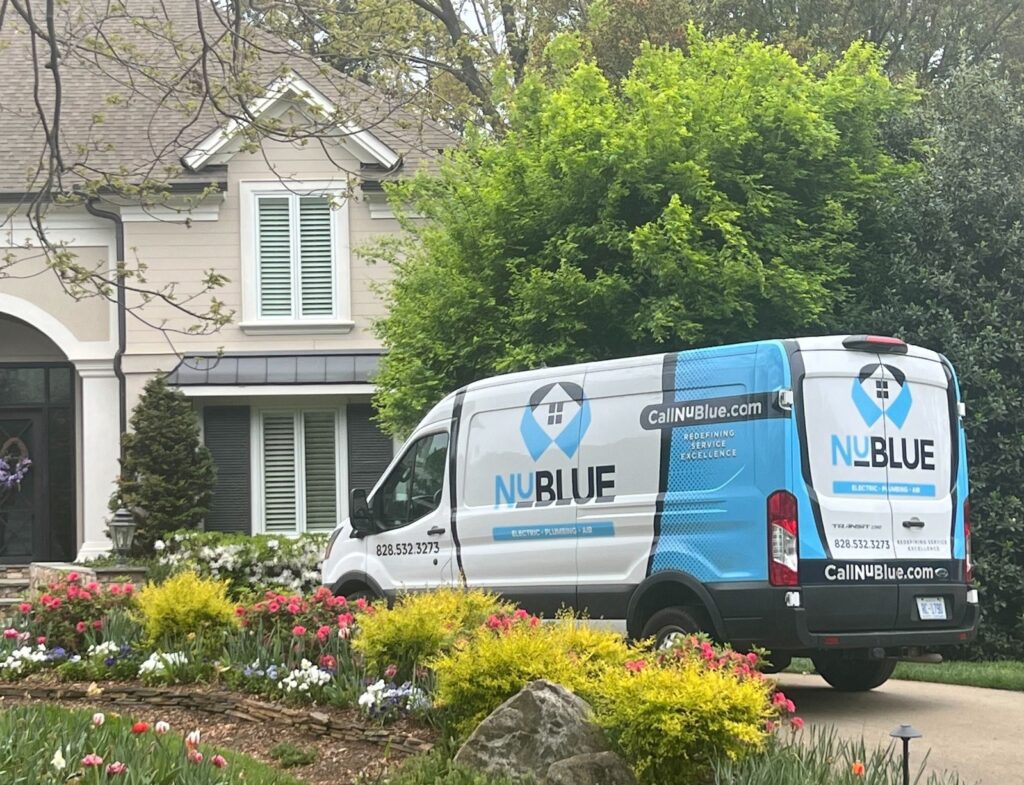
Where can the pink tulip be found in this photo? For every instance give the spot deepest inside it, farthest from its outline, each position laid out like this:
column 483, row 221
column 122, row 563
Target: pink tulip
column 116, row 768
column 219, row 761
column 298, row 630
column 25, row 607
column 92, row 759
column 195, row 756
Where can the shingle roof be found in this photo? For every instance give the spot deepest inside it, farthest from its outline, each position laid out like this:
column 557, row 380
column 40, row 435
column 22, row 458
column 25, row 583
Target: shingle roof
column 127, row 117
column 249, row 368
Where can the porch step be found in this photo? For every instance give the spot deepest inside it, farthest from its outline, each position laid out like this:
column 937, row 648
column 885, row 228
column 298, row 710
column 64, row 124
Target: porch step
column 12, row 590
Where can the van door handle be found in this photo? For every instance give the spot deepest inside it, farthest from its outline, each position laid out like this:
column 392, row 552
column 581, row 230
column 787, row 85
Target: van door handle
column 913, row 523
column 436, row 531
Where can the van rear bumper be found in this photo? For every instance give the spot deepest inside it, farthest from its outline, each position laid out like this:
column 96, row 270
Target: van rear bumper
column 755, row 614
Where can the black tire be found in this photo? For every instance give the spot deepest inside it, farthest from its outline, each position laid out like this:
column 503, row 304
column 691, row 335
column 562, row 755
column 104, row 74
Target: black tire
column 848, row 675
column 779, row 663
column 670, row 621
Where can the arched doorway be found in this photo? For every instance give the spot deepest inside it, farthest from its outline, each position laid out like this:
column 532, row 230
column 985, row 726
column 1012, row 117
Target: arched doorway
column 37, row 447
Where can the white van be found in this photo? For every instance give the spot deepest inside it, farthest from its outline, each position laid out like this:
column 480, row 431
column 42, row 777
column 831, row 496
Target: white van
column 808, row 496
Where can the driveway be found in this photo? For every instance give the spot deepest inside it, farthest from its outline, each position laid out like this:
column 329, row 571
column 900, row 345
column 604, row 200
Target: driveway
column 972, row 731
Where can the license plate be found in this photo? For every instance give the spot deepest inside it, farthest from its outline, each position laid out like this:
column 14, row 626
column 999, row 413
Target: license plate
column 931, row 608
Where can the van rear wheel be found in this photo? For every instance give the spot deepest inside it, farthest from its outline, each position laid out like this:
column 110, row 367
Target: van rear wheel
column 847, row 675
column 670, row 624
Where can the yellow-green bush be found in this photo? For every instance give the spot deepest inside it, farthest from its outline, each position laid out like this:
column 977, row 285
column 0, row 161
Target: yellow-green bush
column 185, row 604
column 671, row 719
column 485, row 670
column 421, row 626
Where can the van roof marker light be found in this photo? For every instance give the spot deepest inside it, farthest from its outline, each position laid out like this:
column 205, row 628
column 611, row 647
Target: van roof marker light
column 875, row 343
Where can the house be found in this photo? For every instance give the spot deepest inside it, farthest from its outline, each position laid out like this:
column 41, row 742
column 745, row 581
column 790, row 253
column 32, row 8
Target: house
column 282, row 392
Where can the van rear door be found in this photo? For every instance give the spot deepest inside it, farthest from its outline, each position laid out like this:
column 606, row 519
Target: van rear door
column 841, row 398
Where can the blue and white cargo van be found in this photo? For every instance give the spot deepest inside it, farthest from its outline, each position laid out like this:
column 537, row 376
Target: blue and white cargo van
column 808, row 496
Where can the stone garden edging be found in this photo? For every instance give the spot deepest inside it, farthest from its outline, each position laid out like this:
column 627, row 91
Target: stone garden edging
column 222, row 702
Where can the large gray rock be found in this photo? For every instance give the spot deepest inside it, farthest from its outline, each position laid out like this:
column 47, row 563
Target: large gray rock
column 594, row 768
column 538, row 726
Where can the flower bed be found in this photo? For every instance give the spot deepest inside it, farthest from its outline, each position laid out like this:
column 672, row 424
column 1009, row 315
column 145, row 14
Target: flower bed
column 449, row 656
column 48, row 744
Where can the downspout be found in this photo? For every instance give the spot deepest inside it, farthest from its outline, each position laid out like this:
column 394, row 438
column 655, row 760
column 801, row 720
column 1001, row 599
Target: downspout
column 122, row 334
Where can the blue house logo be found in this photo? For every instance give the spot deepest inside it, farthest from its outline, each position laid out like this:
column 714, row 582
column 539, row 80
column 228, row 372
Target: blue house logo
column 878, row 396
column 558, row 414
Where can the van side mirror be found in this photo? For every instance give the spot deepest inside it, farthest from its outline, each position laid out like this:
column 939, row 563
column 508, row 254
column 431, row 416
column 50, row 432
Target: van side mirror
column 361, row 517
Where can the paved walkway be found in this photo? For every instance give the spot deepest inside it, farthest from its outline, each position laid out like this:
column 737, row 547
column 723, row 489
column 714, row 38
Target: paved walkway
column 976, row 732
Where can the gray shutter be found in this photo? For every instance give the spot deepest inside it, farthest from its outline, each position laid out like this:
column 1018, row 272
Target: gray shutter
column 274, row 253
column 316, row 257
column 321, row 469
column 369, row 450
column 279, row 473
column 227, row 435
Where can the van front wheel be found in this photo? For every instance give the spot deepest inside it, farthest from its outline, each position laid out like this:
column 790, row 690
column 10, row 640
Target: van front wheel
column 848, row 675
column 670, row 624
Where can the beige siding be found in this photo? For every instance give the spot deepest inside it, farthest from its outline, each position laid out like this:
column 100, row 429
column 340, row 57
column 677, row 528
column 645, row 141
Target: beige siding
column 88, row 319
column 178, row 254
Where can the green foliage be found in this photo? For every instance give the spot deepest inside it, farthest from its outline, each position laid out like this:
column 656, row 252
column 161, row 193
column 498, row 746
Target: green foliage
column 290, row 755
column 927, row 45
column 167, row 474
column 712, row 196
column 949, row 274
column 36, row 733
column 437, row 768
column 185, row 605
column 671, row 722
column 422, row 626
column 823, row 758
column 484, row 671
column 248, row 562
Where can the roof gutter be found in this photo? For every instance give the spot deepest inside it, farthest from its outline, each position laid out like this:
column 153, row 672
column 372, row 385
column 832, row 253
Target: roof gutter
column 122, row 327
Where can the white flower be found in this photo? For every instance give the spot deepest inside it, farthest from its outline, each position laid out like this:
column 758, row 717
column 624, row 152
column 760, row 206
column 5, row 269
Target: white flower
column 273, row 544
column 58, row 761
column 161, row 727
column 159, row 545
column 98, row 718
column 157, row 662
column 192, row 738
column 372, row 695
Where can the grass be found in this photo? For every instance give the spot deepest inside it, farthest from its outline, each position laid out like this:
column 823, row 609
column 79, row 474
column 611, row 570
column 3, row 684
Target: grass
column 1007, row 675
column 49, row 744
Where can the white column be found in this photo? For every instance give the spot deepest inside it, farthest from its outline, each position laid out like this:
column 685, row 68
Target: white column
column 100, row 450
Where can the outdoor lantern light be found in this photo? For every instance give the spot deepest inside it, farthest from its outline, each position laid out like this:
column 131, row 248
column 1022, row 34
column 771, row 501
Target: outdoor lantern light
column 122, row 532
column 906, row 732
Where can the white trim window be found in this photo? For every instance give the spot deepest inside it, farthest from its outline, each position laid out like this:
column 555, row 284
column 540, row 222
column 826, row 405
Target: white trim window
column 299, row 470
column 295, row 258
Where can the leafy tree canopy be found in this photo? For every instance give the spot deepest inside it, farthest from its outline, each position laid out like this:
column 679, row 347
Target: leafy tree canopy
column 950, row 275
column 712, row 196
column 924, row 38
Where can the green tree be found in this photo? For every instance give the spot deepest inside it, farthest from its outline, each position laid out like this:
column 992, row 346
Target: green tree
column 923, row 38
column 710, row 197
column 952, row 278
column 167, row 474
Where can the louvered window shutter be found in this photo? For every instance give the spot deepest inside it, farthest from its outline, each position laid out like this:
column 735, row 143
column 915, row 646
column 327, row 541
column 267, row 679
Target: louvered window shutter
column 275, row 255
column 280, row 513
column 226, row 430
column 321, row 470
column 316, row 258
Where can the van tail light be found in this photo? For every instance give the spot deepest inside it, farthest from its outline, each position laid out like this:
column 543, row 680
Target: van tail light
column 875, row 343
column 968, row 561
column 783, row 557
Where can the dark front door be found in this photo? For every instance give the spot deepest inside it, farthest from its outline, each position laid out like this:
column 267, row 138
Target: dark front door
column 37, row 521
column 22, row 501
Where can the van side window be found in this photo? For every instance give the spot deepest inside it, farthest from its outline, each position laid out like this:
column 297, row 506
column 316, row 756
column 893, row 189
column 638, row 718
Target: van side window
column 415, row 485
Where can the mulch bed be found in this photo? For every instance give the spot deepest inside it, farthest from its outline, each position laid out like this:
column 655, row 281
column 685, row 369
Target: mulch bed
column 338, row 762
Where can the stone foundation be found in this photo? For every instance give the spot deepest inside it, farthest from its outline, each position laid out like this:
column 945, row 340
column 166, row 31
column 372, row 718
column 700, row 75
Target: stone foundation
column 42, row 574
